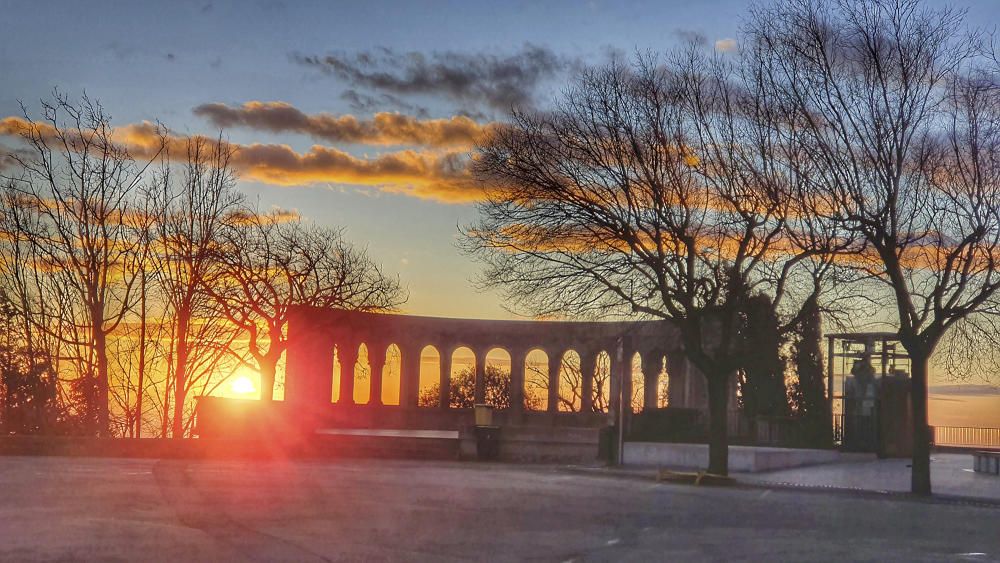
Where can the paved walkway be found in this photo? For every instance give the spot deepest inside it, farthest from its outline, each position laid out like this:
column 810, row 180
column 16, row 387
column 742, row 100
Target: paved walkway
column 951, row 474
column 89, row 509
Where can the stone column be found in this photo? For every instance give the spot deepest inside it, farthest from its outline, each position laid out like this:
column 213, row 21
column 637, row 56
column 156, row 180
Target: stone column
column 309, row 369
column 555, row 362
column 588, row 365
column 480, row 393
column 614, row 401
column 627, row 382
column 376, row 363
column 409, row 375
column 517, row 359
column 348, row 352
column 445, row 381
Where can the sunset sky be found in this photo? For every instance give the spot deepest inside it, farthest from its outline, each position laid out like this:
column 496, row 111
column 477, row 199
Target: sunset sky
column 333, row 66
column 169, row 61
column 350, row 113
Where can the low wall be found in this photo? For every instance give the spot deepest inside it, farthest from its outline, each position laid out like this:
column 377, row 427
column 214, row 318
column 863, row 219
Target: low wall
column 539, row 444
column 317, row 447
column 219, row 417
column 742, row 459
column 986, row 462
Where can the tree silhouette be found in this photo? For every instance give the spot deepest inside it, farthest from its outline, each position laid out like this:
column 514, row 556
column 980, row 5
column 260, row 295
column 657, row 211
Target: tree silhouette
column 28, row 384
column 270, row 262
column 66, row 212
column 650, row 192
column 462, row 390
column 762, row 379
column 140, row 277
column 895, row 109
column 808, row 392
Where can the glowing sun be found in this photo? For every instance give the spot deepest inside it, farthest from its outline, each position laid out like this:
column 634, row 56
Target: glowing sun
column 243, row 385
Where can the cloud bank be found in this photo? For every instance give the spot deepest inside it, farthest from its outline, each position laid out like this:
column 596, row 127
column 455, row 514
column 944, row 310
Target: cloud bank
column 437, row 175
column 384, row 129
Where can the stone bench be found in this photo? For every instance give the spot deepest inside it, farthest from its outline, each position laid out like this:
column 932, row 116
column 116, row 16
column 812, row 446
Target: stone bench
column 986, row 462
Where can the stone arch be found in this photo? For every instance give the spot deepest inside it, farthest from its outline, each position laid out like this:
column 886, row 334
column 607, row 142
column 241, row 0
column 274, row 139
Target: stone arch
column 498, row 367
column 536, row 380
column 462, row 394
column 570, row 382
column 637, row 399
column 362, row 377
column 391, row 374
column 429, row 394
column 602, row 382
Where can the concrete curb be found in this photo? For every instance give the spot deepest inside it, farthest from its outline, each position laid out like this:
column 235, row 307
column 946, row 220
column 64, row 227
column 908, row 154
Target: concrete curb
column 649, row 475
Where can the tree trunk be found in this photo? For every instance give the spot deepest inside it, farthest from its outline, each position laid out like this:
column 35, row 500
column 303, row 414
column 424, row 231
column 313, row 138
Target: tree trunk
column 920, row 474
column 142, row 358
column 180, row 375
column 101, row 350
column 718, row 439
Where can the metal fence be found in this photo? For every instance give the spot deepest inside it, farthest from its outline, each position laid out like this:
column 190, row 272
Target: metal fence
column 959, row 436
column 966, row 436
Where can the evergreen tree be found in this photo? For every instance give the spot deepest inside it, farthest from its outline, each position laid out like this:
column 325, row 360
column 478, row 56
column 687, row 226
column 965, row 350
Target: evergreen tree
column 28, row 384
column 762, row 379
column 808, row 393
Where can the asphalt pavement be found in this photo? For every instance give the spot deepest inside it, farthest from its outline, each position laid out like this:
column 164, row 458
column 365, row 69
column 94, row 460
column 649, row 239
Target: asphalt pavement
column 94, row 509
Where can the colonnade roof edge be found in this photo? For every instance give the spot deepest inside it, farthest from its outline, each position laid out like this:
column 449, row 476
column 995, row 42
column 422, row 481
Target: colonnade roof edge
column 444, row 330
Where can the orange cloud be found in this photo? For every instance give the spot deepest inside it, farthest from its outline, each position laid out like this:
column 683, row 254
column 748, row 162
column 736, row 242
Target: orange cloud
column 277, row 215
column 384, row 129
column 436, row 175
column 443, row 177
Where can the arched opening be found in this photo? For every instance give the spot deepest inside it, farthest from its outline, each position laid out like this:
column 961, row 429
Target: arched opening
column 602, row 383
column 391, row 375
column 638, row 387
column 279, row 379
column 362, row 377
column 497, row 378
column 663, row 385
column 536, row 380
column 335, row 395
column 430, row 377
column 570, row 382
column 462, row 393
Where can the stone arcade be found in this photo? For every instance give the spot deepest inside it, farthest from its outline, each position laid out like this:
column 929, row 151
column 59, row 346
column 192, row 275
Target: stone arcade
column 314, row 333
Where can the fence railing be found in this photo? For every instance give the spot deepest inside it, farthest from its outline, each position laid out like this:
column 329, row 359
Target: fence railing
column 966, row 436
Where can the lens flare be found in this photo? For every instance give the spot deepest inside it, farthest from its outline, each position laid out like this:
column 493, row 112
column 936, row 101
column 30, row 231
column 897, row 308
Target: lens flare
column 242, row 385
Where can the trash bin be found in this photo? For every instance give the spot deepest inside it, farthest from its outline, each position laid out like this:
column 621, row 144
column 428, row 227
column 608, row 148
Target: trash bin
column 607, row 444
column 487, row 442
column 484, row 415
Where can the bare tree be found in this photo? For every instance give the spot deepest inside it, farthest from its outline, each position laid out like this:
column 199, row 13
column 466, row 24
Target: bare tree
column 648, row 192
column 188, row 231
column 67, row 204
column 899, row 130
column 269, row 262
column 570, row 381
column 463, row 389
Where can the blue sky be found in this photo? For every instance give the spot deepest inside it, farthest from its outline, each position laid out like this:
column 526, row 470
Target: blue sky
column 160, row 60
